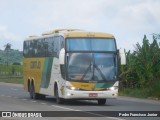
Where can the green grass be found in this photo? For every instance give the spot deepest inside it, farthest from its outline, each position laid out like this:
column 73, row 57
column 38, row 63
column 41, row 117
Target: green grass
column 11, row 70
column 141, row 93
column 156, row 90
column 12, row 80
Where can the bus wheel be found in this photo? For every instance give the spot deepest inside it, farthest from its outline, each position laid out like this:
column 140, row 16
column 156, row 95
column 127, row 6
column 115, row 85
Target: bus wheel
column 101, row 101
column 33, row 95
column 31, row 91
column 58, row 99
column 42, row 97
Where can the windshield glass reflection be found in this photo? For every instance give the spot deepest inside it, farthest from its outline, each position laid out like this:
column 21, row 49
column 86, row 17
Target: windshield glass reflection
column 91, row 66
column 91, row 44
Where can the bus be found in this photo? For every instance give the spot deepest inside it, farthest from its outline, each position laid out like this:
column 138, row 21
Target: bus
column 71, row 64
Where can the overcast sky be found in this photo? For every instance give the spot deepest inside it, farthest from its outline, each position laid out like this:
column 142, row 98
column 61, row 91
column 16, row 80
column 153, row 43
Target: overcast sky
column 127, row 20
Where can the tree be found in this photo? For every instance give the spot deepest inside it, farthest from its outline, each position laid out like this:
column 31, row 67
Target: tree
column 148, row 57
column 143, row 65
column 7, row 47
column 7, row 50
column 156, row 37
column 128, row 77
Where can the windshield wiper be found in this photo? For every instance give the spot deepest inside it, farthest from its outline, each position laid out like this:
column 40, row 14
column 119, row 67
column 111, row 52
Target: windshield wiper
column 100, row 72
column 89, row 67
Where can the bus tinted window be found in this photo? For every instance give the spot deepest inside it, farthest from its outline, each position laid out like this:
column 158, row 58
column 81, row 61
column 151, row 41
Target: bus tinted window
column 43, row 47
column 91, row 44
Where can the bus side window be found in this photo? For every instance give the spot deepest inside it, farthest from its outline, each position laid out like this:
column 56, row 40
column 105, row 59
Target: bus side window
column 42, row 50
column 50, row 47
column 56, row 47
column 62, row 67
column 34, row 48
column 46, row 45
column 25, row 48
column 61, row 42
column 30, row 48
column 38, row 48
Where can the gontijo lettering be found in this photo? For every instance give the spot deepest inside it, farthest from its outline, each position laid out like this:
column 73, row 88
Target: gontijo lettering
column 35, row 64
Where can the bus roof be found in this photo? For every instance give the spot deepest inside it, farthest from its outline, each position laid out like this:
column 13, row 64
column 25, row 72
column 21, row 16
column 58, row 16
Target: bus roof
column 71, row 33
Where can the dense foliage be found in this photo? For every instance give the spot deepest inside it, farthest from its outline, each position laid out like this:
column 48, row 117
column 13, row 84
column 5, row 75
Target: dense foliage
column 10, row 56
column 143, row 68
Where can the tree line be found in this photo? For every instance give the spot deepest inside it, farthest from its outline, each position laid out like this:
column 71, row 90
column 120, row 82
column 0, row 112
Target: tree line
column 143, row 67
column 10, row 56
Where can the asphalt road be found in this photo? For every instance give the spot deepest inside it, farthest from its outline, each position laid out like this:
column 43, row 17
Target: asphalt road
column 14, row 98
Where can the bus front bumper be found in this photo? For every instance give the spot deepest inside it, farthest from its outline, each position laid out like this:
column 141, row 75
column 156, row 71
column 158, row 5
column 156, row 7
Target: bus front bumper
column 76, row 94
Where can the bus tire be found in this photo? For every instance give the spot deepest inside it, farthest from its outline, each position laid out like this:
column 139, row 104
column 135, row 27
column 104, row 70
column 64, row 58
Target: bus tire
column 42, row 97
column 101, row 101
column 58, row 99
column 29, row 85
column 33, row 95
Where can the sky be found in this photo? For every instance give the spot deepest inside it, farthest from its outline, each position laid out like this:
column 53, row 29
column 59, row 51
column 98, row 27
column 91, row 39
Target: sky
column 127, row 20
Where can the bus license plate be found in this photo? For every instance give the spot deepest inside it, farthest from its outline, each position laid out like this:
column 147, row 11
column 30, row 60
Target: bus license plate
column 93, row 94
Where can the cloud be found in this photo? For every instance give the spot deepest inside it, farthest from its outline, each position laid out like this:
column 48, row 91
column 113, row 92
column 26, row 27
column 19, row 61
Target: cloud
column 141, row 16
column 66, row 13
column 127, row 20
column 8, row 37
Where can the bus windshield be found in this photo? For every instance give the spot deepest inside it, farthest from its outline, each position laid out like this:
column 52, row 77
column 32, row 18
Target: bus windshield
column 91, row 44
column 91, row 66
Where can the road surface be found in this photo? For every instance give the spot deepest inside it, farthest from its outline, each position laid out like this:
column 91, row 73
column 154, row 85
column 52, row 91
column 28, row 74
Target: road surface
column 14, row 98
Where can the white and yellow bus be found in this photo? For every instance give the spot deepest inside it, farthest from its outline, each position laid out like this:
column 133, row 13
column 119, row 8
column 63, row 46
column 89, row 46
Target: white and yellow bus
column 71, row 64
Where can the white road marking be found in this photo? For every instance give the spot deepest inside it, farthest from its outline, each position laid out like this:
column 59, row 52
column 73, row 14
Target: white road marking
column 16, row 97
column 114, row 118
column 43, row 103
column 65, row 108
column 14, row 89
column 23, row 99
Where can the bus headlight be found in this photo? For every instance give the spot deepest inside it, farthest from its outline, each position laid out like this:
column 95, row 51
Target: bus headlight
column 113, row 88
column 72, row 88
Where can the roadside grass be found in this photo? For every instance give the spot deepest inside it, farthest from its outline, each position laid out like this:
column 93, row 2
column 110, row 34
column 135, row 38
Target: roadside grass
column 11, row 70
column 11, row 74
column 142, row 92
column 139, row 93
column 156, row 90
column 12, row 80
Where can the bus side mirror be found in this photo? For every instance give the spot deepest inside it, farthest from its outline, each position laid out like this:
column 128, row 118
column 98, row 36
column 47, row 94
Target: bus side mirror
column 62, row 56
column 122, row 57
